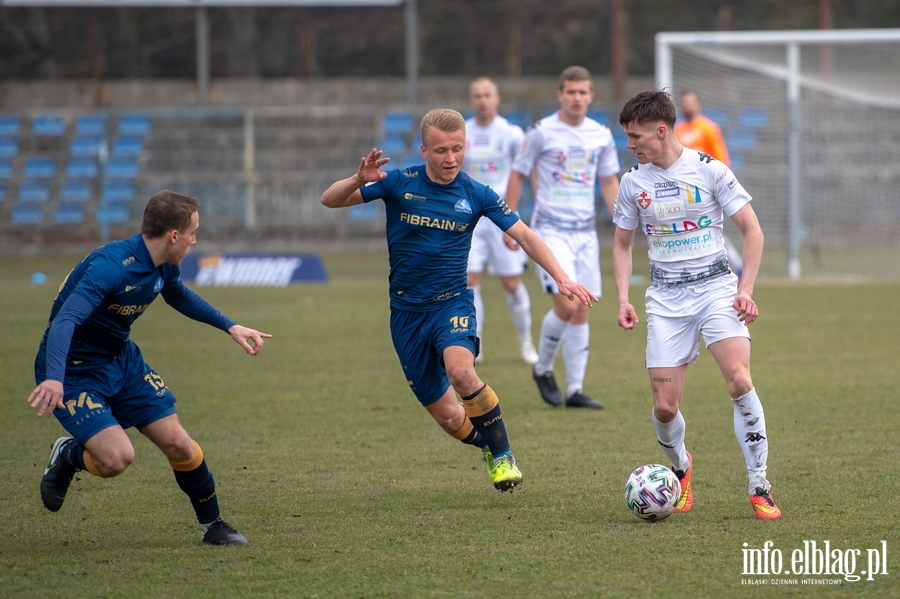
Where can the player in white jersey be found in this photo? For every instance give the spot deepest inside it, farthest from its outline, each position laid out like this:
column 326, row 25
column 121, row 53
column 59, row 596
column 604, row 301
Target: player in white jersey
column 679, row 197
column 492, row 143
column 569, row 153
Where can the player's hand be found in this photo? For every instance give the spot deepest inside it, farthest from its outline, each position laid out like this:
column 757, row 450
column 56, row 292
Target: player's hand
column 627, row 317
column 572, row 290
column 511, row 243
column 48, row 395
column 250, row 339
column 370, row 167
column 746, row 308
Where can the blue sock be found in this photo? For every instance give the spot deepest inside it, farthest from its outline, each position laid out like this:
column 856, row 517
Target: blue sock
column 199, row 486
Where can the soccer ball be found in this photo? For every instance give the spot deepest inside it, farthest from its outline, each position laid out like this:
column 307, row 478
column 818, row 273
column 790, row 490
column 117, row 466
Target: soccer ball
column 652, row 492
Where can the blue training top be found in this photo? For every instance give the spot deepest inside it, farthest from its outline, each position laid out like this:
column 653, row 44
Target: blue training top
column 92, row 314
column 429, row 232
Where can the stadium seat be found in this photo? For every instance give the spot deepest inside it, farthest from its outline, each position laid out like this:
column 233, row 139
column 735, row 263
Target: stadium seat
column 2, row 192
column 39, row 167
column 48, row 125
column 601, row 116
column 34, row 191
column 122, row 168
column 127, row 146
column 134, row 124
column 753, row 118
column 9, row 147
column 90, row 124
column 68, row 214
column 364, row 212
column 118, row 191
column 393, row 146
column 5, row 169
column 82, row 168
column 621, row 140
column 719, row 116
column 522, row 118
column 85, row 146
column 737, row 162
column 9, row 124
column 740, row 140
column 75, row 191
column 397, row 122
column 27, row 214
column 114, row 213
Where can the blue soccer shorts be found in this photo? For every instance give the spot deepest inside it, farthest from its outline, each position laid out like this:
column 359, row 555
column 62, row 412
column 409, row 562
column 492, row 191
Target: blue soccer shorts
column 420, row 339
column 124, row 392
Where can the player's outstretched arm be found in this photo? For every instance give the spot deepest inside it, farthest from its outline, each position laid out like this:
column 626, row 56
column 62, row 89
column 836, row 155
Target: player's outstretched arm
column 250, row 339
column 622, row 269
column 535, row 247
column 345, row 192
column 48, row 395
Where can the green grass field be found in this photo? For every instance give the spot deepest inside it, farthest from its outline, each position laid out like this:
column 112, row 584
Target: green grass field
column 346, row 488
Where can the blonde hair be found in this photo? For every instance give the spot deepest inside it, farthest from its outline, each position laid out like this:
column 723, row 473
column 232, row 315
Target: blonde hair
column 575, row 73
column 442, row 119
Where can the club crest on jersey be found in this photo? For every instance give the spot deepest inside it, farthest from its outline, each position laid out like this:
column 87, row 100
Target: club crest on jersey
column 644, row 200
column 158, row 286
column 463, row 206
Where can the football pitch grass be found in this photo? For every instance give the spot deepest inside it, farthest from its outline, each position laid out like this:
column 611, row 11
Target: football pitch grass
column 346, row 488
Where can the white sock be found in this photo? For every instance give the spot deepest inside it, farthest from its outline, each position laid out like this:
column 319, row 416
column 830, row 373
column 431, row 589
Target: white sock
column 576, row 348
column 479, row 311
column 750, row 431
column 552, row 329
column 519, row 303
column 671, row 438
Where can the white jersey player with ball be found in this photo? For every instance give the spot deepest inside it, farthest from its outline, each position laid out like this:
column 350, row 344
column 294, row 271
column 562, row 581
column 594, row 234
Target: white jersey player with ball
column 492, row 143
column 678, row 198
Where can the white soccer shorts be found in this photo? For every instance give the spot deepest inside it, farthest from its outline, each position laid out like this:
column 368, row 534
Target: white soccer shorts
column 678, row 316
column 578, row 252
column 488, row 247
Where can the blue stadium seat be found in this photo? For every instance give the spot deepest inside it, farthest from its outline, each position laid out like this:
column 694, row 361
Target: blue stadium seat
column 621, row 140
column 719, row 116
column 39, row 167
column 82, row 168
column 5, row 169
column 122, row 168
column 68, row 214
column 27, row 214
column 393, row 146
column 114, row 213
column 48, row 125
column 34, row 191
column 522, row 118
column 9, row 124
column 601, row 116
column 740, row 140
column 127, row 146
column 364, row 212
column 2, row 192
column 134, row 124
column 753, row 118
column 75, row 191
column 397, row 122
column 737, row 162
column 85, row 146
column 9, row 147
column 118, row 191
column 90, row 124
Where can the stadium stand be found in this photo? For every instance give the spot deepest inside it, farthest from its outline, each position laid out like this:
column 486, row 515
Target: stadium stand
column 68, row 214
column 82, row 168
column 76, row 191
column 122, row 168
column 134, row 124
column 114, row 213
column 48, row 125
column 719, row 116
column 91, row 124
column 9, row 124
column 5, row 169
column 39, row 167
column 753, row 118
column 9, row 147
column 27, row 214
column 85, row 146
column 118, row 191
column 2, row 192
column 127, row 146
column 34, row 191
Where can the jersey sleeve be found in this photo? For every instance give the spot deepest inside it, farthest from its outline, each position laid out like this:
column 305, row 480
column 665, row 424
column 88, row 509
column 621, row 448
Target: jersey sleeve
column 608, row 161
column 190, row 304
column 104, row 275
column 625, row 211
column 496, row 209
column 730, row 194
column 379, row 190
column 73, row 312
column 530, row 150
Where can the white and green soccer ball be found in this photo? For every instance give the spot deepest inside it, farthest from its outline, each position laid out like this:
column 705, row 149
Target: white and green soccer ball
column 652, row 491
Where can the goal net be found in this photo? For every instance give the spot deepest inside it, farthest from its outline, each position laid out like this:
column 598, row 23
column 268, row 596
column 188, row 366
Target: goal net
column 812, row 122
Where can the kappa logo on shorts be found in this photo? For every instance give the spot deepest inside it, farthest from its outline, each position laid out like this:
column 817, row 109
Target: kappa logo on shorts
column 463, row 206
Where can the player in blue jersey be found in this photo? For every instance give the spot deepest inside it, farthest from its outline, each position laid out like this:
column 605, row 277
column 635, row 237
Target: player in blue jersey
column 431, row 211
column 93, row 378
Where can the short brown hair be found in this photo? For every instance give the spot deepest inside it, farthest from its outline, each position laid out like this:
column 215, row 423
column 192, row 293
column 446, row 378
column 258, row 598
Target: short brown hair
column 649, row 107
column 167, row 211
column 575, row 73
column 443, row 119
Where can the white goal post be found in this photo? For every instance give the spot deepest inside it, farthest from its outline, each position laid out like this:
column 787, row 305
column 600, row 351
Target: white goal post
column 812, row 121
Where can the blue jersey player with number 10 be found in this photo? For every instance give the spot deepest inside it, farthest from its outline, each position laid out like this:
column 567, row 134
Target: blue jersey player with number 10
column 431, row 211
column 93, row 378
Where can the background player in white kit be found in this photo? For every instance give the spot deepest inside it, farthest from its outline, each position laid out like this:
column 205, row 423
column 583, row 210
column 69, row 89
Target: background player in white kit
column 678, row 197
column 492, row 143
column 569, row 152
